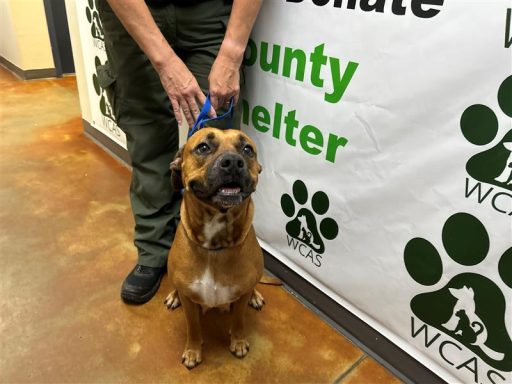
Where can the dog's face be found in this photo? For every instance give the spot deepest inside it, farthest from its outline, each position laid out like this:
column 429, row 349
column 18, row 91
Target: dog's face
column 220, row 167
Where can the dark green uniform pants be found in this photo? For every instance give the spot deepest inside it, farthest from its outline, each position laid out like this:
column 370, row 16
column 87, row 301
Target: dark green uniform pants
column 143, row 111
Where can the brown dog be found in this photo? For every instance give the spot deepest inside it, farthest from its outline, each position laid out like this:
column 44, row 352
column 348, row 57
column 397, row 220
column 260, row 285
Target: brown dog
column 215, row 259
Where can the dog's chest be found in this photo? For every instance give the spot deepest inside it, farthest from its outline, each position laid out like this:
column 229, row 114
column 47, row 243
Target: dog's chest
column 217, row 231
column 210, row 292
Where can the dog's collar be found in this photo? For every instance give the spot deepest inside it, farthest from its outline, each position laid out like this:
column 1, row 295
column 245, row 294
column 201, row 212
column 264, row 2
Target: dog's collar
column 202, row 246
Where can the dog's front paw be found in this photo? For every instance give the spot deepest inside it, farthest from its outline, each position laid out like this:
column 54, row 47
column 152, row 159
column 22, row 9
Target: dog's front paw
column 172, row 301
column 257, row 301
column 239, row 347
column 191, row 358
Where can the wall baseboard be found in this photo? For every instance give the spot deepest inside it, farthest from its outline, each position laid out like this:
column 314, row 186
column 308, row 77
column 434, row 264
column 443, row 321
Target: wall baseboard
column 373, row 343
column 29, row 74
column 114, row 149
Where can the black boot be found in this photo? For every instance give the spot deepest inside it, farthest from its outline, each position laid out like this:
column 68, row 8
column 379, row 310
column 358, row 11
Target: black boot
column 141, row 284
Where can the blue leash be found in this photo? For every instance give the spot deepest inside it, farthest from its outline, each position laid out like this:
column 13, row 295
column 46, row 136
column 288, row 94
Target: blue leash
column 202, row 119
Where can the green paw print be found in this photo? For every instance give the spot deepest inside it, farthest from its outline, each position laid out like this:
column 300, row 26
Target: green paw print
column 479, row 125
column 105, row 100
column 471, row 308
column 94, row 19
column 304, row 225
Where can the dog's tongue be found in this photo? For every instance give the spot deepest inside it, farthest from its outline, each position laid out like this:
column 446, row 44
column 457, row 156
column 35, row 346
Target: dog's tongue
column 229, row 190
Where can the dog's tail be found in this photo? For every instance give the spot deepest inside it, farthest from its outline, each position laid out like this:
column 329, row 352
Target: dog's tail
column 270, row 280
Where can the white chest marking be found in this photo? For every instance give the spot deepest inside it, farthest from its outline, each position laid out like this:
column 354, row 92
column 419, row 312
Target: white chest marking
column 212, row 228
column 210, row 292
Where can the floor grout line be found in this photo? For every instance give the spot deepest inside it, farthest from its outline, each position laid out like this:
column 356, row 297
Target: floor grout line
column 347, row 334
column 348, row 371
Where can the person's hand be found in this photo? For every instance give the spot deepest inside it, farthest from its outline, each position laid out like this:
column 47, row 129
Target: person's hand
column 224, row 81
column 183, row 90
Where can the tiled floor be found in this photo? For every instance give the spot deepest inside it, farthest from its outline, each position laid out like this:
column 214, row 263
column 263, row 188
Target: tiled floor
column 65, row 241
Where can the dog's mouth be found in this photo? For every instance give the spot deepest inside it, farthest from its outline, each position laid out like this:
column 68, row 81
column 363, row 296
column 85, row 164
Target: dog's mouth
column 229, row 195
column 229, row 189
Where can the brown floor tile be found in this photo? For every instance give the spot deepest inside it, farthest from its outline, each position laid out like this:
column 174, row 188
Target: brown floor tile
column 65, row 240
column 369, row 372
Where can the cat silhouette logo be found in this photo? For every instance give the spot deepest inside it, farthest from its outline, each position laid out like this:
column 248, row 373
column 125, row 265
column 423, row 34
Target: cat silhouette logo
column 101, row 84
column 470, row 307
column 94, row 20
column 466, row 324
column 479, row 125
column 308, row 228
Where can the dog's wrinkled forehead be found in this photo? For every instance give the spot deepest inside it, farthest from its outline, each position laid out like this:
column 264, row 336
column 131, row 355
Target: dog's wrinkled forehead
column 215, row 139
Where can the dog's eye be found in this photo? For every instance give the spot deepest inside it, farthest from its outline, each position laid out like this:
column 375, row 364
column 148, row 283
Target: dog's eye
column 248, row 150
column 202, row 148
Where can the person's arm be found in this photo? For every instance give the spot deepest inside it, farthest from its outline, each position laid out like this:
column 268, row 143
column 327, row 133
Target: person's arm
column 179, row 83
column 224, row 78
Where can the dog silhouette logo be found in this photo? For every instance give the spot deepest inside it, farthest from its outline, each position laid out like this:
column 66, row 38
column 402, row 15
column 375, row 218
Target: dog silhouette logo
column 479, row 125
column 94, row 20
column 308, row 225
column 470, row 307
column 465, row 323
column 506, row 176
column 105, row 100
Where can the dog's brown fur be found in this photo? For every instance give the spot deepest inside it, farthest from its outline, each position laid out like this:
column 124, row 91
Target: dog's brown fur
column 215, row 259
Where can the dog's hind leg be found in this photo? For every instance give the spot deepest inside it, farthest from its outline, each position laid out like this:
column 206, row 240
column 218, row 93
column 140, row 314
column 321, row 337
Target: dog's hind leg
column 257, row 301
column 172, row 301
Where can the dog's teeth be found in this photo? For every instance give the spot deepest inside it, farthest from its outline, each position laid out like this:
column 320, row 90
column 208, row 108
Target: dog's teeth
column 230, row 191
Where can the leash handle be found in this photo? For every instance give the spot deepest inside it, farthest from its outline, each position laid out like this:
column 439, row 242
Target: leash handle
column 202, row 119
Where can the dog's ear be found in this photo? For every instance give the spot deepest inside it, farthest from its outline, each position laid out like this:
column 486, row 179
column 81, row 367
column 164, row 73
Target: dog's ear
column 260, row 168
column 175, row 166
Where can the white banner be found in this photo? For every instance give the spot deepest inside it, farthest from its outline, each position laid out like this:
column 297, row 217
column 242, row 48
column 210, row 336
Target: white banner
column 93, row 50
column 384, row 130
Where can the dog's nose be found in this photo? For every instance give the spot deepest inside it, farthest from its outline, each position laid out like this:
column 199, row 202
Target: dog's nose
column 232, row 162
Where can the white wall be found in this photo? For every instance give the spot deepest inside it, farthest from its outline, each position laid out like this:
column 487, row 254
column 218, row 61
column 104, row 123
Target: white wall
column 8, row 42
column 78, row 58
column 24, row 38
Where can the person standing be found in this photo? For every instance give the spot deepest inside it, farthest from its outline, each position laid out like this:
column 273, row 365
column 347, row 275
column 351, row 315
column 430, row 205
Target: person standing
column 163, row 56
